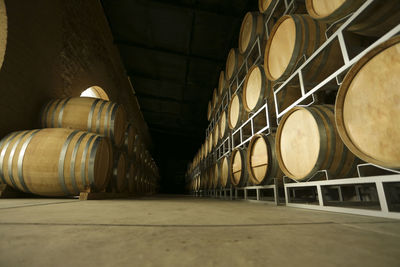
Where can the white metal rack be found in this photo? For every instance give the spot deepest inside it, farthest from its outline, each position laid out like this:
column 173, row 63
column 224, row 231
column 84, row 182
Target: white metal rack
column 224, row 148
column 240, row 135
column 338, row 36
column 248, row 193
column 382, row 198
column 380, row 186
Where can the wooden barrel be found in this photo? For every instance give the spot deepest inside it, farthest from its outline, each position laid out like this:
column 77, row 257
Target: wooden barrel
column 257, row 90
column 331, row 10
column 215, row 172
column 379, row 17
column 214, row 100
column 236, row 112
column 55, row 162
column 203, row 180
column 222, row 84
column 87, row 114
column 137, row 147
column 252, row 28
column 307, row 141
column 367, row 106
column 130, row 176
column 233, row 62
column 262, row 164
column 237, row 168
column 209, row 178
column 210, row 141
column 129, row 139
column 197, row 183
column 223, row 125
column 292, row 37
column 224, row 180
column 119, row 171
column 209, row 110
column 201, row 153
column 266, row 6
column 205, row 148
column 215, row 135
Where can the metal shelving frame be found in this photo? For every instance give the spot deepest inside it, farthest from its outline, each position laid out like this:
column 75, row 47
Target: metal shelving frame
column 378, row 181
column 239, row 131
column 338, row 74
column 225, row 147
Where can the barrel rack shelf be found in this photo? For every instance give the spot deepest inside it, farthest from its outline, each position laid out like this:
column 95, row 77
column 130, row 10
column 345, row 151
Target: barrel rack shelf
column 241, row 137
column 349, row 58
column 373, row 195
column 272, row 193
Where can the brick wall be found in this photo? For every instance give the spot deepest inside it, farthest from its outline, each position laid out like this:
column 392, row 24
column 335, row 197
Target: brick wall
column 58, row 48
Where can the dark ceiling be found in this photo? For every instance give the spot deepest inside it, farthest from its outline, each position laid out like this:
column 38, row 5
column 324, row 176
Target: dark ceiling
column 173, row 51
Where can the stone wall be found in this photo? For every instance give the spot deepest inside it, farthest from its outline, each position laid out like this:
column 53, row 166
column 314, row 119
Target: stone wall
column 55, row 49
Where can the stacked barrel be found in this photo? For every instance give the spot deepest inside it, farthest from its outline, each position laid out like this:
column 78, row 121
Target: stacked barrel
column 84, row 143
column 333, row 136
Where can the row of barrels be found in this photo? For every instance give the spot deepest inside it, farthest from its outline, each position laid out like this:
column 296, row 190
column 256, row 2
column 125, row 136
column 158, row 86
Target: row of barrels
column 362, row 126
column 292, row 37
column 74, row 150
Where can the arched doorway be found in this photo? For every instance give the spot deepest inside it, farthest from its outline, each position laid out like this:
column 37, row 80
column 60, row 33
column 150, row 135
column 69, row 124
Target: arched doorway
column 96, row 92
column 3, row 31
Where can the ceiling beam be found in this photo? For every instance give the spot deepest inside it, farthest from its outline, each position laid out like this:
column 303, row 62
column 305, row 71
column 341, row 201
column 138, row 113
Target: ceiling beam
column 160, row 98
column 145, row 110
column 217, row 12
column 164, row 98
column 179, row 131
column 134, row 75
column 121, row 42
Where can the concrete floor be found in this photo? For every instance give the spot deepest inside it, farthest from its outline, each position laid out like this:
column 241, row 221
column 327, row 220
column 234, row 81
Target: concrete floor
column 183, row 231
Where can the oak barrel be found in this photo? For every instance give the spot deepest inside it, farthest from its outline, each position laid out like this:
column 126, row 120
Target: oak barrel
column 223, row 125
column 257, row 90
column 307, row 141
column 131, row 177
column 367, row 106
column 224, row 180
column 262, row 164
column 210, row 141
column 137, row 147
column 267, row 6
column 292, row 37
column 210, row 178
column 233, row 63
column 252, row 28
column 203, row 180
column 129, row 139
column 377, row 19
column 119, row 171
column 236, row 112
column 55, row 162
column 87, row 114
column 215, row 172
column 215, row 135
column 222, row 84
column 209, row 110
column 215, row 99
column 205, row 148
column 331, row 10
column 237, row 168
